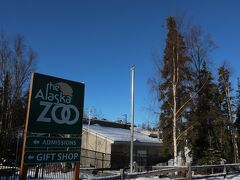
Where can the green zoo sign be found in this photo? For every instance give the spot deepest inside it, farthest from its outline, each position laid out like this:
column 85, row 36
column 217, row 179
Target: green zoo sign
column 56, row 105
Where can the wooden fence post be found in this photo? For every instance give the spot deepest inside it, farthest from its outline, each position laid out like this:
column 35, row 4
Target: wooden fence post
column 189, row 171
column 122, row 174
column 225, row 172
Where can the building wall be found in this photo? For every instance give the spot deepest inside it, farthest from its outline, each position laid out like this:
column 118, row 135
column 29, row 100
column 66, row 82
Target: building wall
column 116, row 155
column 97, row 151
column 120, row 156
column 95, row 143
column 143, row 155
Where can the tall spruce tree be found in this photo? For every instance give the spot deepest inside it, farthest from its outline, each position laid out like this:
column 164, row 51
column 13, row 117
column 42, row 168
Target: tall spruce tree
column 227, row 108
column 237, row 122
column 237, row 102
column 174, row 90
column 225, row 135
column 205, row 112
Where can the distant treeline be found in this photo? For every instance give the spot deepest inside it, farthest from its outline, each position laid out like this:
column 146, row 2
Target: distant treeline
column 17, row 62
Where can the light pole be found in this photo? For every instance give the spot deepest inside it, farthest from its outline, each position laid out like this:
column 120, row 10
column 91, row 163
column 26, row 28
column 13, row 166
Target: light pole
column 132, row 120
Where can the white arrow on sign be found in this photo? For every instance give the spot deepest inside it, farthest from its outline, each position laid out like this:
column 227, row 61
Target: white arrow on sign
column 36, row 141
column 30, row 157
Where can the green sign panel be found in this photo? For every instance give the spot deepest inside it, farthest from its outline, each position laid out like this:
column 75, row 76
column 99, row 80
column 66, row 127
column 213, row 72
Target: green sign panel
column 56, row 142
column 56, row 105
column 51, row 157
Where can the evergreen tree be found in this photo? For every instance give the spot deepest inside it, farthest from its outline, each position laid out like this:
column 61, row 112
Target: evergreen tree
column 204, row 116
column 237, row 122
column 225, row 134
column 227, row 110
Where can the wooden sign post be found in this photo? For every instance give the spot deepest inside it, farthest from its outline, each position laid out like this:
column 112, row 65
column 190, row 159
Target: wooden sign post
column 76, row 171
column 23, row 167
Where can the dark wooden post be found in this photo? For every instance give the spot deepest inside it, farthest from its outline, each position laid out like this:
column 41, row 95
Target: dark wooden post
column 43, row 166
column 36, row 172
column 23, row 172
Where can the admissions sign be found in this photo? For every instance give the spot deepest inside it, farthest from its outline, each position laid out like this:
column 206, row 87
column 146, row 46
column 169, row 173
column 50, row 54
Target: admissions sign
column 56, row 105
column 52, row 142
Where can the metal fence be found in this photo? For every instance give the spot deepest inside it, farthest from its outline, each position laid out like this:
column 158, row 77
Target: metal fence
column 10, row 158
column 52, row 171
column 95, row 159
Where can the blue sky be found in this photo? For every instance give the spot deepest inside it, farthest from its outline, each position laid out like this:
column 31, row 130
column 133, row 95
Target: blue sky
column 97, row 41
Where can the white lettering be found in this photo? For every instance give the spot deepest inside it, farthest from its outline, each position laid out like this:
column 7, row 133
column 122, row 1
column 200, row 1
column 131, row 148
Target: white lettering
column 53, row 94
column 39, row 94
column 50, row 97
column 59, row 142
column 68, row 99
column 70, row 156
column 45, row 157
column 64, row 156
column 44, row 142
column 57, row 104
column 59, row 157
column 67, row 156
column 75, row 155
column 57, row 97
column 65, row 114
column 39, row 157
column 42, row 117
column 54, row 87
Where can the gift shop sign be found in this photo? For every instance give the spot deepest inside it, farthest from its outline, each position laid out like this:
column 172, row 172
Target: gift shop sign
column 51, row 157
column 56, row 105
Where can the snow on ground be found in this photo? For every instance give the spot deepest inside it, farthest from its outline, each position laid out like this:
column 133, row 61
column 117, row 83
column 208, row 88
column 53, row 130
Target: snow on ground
column 68, row 175
column 143, row 178
column 232, row 177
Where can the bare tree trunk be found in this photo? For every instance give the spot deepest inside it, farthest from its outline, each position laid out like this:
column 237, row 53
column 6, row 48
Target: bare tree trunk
column 174, row 126
column 230, row 114
column 3, row 110
column 174, row 90
column 3, row 70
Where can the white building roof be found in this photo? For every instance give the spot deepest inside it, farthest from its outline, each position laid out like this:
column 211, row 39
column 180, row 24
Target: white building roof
column 119, row 135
